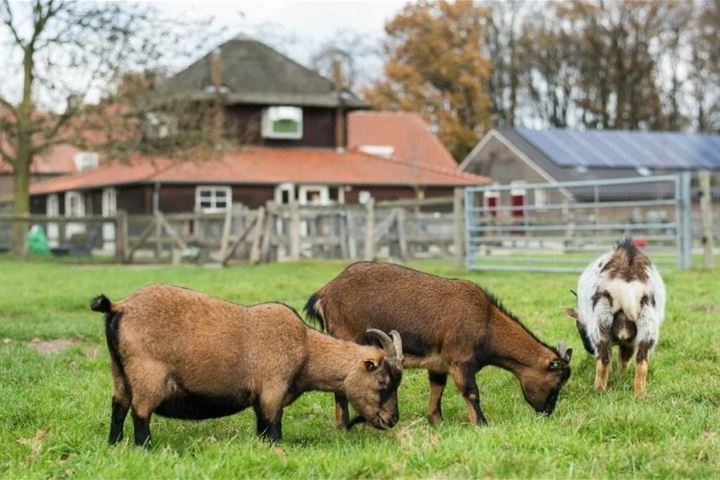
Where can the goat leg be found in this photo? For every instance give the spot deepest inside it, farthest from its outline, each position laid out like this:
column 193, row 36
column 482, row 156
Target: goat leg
column 602, row 365
column 342, row 414
column 464, row 378
column 641, row 366
column 355, row 421
column 141, row 425
column 437, row 386
column 117, row 419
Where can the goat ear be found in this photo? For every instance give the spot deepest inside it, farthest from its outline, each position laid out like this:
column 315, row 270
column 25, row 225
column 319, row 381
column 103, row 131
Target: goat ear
column 571, row 311
column 371, row 364
column 556, row 363
column 568, row 355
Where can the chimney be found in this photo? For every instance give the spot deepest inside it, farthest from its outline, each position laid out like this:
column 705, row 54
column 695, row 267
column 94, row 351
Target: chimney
column 218, row 117
column 340, row 111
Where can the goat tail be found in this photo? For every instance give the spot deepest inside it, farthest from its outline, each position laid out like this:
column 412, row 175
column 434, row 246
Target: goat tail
column 101, row 304
column 313, row 310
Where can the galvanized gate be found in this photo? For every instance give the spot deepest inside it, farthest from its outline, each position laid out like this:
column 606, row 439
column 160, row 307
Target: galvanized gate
column 560, row 227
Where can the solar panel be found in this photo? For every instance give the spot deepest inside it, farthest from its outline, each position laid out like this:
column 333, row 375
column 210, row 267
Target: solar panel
column 627, row 149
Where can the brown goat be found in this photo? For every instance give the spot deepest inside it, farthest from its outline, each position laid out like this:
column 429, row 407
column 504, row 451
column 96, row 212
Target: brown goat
column 447, row 325
column 182, row 354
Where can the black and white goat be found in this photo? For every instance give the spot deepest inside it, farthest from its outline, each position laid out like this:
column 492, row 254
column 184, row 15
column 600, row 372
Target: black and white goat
column 620, row 301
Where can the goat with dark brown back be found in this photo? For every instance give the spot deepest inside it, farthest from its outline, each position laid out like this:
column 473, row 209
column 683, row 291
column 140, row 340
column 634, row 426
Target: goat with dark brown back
column 182, row 354
column 448, row 326
column 620, row 301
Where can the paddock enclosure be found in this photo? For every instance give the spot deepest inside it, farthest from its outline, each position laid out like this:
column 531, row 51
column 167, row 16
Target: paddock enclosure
column 56, row 389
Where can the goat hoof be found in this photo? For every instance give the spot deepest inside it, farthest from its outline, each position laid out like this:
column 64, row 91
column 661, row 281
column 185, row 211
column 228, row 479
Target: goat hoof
column 435, row 419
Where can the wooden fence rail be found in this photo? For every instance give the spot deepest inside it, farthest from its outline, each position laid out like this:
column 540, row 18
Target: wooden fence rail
column 403, row 228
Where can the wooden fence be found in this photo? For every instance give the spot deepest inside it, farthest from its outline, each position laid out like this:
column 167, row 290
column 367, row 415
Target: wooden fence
column 403, row 229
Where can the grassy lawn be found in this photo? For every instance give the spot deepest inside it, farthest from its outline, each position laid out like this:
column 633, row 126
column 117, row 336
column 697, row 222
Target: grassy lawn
column 55, row 407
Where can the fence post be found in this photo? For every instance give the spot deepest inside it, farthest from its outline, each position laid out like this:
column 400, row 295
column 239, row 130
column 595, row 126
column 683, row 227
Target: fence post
column 158, row 235
column 685, row 221
column 257, row 236
column 370, row 229
column 708, row 241
column 121, row 232
column 459, row 223
column 402, row 236
column 351, row 240
column 294, row 232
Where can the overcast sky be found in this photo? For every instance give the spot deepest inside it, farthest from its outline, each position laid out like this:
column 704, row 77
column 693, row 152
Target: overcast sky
column 300, row 26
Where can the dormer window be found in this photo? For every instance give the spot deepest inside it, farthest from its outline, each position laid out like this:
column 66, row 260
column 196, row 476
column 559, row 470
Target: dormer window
column 85, row 160
column 282, row 123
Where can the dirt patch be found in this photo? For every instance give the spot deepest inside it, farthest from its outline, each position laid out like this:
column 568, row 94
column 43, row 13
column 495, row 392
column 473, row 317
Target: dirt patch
column 707, row 308
column 50, row 347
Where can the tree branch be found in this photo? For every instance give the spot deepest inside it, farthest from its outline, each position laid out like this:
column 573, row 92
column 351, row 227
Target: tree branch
column 8, row 21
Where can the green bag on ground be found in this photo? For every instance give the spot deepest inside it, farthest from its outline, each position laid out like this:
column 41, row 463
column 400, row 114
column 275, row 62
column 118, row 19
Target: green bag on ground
column 37, row 241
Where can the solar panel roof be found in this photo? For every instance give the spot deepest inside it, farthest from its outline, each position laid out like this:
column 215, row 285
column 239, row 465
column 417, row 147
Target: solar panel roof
column 627, row 149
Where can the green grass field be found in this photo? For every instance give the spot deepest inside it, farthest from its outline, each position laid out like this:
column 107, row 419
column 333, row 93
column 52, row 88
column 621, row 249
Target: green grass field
column 55, row 407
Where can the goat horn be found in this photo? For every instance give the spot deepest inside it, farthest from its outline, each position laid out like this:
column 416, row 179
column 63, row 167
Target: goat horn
column 562, row 349
column 397, row 343
column 386, row 342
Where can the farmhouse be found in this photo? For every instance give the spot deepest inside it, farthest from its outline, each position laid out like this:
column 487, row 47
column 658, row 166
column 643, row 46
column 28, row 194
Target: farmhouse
column 298, row 138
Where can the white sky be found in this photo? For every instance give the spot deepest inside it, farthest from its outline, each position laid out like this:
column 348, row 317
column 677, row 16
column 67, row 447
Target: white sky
column 300, row 25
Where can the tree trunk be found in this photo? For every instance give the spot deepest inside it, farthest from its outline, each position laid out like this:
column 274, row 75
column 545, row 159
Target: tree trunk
column 21, row 205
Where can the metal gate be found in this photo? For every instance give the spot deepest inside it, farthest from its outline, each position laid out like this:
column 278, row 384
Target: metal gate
column 561, row 227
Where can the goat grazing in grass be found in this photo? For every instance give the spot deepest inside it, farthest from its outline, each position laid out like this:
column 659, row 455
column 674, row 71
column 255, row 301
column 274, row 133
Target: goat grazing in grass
column 448, row 327
column 620, row 301
column 183, row 354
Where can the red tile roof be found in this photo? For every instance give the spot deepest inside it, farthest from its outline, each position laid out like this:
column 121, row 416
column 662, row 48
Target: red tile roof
column 57, row 160
column 264, row 166
column 407, row 132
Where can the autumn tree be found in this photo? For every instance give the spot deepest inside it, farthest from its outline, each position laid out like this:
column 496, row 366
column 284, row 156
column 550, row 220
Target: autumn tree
column 57, row 55
column 435, row 66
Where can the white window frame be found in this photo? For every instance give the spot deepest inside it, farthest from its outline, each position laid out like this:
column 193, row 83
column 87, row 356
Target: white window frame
column 86, row 160
column 109, row 202
column 80, row 211
column 213, row 189
column 324, row 194
column 52, row 207
column 341, row 195
column 285, row 187
column 278, row 113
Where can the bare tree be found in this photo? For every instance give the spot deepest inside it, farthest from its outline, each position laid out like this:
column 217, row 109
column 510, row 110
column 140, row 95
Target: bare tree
column 57, row 56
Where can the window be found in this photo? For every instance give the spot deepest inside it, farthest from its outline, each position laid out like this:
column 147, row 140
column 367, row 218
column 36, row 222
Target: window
column 52, row 209
column 285, row 193
column 282, row 122
column 74, row 204
column 518, row 198
column 109, row 202
column 540, row 198
column 213, row 199
column 490, row 200
column 313, row 195
column 86, row 160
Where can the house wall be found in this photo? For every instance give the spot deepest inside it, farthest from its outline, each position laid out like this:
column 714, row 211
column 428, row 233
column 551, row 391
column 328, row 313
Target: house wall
column 503, row 167
column 242, row 123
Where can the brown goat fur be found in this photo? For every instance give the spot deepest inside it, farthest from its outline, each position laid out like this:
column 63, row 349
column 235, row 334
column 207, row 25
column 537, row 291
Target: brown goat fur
column 182, row 354
column 448, row 326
